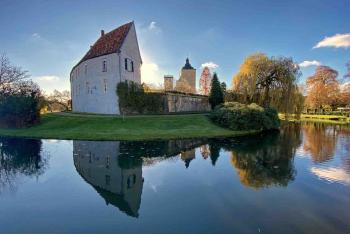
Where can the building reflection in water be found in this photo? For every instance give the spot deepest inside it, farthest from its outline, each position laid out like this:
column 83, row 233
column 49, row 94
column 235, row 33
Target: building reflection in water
column 118, row 181
column 188, row 156
column 20, row 157
column 114, row 169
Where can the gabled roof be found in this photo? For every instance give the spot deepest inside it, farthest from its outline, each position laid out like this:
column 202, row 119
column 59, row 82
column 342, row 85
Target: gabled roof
column 108, row 43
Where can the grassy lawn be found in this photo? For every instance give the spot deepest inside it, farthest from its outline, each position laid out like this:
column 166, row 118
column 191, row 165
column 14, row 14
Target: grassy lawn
column 104, row 127
column 334, row 119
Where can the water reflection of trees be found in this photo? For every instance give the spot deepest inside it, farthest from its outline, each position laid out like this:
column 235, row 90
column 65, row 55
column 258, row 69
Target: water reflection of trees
column 320, row 140
column 114, row 169
column 19, row 157
column 266, row 160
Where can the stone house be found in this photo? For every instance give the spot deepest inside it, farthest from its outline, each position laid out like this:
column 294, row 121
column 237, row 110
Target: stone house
column 115, row 57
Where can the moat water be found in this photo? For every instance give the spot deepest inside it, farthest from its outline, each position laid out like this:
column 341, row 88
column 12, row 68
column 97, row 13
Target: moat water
column 293, row 181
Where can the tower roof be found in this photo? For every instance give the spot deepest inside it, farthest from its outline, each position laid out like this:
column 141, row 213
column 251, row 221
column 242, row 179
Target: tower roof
column 187, row 65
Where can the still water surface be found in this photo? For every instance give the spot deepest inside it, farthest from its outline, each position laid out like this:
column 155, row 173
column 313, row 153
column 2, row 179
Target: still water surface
column 295, row 181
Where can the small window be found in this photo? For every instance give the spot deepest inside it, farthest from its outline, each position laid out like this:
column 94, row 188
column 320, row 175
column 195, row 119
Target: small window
column 85, row 71
column 107, row 162
column 104, row 66
column 108, row 180
column 129, row 65
column 131, row 181
column 105, row 85
column 87, row 87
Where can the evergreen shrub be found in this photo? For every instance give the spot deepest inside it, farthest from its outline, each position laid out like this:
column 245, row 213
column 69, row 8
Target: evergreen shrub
column 237, row 116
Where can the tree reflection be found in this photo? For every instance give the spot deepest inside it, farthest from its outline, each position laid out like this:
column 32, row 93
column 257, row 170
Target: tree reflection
column 214, row 150
column 320, row 140
column 266, row 160
column 19, row 157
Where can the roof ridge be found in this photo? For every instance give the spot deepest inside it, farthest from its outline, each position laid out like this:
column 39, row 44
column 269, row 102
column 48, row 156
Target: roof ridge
column 108, row 43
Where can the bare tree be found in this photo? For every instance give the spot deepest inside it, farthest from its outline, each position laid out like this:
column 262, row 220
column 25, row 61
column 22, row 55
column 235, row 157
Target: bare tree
column 59, row 101
column 9, row 73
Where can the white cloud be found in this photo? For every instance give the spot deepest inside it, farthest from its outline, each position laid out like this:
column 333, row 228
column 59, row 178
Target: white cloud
column 154, row 27
column 36, row 36
column 332, row 174
column 345, row 87
column 210, row 65
column 151, row 74
column 48, row 83
column 47, row 78
column 337, row 41
column 308, row 63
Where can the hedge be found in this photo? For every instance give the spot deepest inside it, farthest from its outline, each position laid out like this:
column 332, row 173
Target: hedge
column 237, row 116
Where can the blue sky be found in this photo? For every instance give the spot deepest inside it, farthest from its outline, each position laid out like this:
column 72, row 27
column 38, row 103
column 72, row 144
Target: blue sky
column 48, row 37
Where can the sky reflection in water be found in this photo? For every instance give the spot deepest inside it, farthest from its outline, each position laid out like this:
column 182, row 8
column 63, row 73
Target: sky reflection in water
column 297, row 180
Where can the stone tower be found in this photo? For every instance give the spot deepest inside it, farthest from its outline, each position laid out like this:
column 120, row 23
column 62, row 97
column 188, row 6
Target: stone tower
column 188, row 77
column 168, row 83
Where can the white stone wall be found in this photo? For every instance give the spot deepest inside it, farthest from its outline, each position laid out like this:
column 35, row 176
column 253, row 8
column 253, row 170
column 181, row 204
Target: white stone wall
column 88, row 88
column 94, row 90
column 130, row 49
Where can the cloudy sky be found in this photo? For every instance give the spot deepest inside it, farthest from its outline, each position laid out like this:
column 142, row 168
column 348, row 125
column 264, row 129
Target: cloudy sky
column 48, row 38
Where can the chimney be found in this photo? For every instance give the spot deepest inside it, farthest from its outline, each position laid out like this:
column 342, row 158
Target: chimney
column 102, row 33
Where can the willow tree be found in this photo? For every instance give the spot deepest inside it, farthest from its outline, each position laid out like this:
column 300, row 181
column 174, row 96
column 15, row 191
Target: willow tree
column 268, row 82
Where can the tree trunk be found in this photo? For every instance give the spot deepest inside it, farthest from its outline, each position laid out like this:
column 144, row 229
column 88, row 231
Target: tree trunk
column 266, row 101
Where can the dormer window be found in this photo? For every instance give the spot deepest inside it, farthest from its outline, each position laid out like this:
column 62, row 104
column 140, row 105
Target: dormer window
column 129, row 65
column 104, row 66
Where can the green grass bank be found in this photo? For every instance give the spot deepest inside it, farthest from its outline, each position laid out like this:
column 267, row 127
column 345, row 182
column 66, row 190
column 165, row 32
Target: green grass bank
column 103, row 127
column 332, row 119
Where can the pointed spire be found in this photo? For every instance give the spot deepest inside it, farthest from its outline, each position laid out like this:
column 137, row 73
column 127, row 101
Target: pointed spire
column 187, row 65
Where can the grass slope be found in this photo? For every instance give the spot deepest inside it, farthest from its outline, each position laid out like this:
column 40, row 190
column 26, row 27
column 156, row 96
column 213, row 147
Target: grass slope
column 332, row 119
column 104, row 127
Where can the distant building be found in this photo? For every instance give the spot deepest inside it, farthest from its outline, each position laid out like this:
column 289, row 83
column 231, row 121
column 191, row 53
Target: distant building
column 187, row 80
column 168, row 83
column 188, row 156
column 115, row 57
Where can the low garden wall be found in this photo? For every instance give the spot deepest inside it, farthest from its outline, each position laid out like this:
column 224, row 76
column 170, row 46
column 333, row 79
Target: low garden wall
column 180, row 102
column 134, row 100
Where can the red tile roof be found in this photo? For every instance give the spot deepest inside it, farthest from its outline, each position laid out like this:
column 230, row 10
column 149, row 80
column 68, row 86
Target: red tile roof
column 108, row 43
